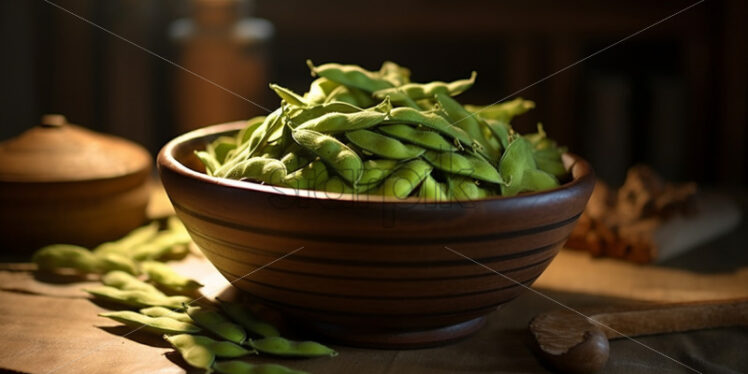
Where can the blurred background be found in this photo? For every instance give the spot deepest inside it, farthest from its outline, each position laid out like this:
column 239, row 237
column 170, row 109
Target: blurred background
column 673, row 96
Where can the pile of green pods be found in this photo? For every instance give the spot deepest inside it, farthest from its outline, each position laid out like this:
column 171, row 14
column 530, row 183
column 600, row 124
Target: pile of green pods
column 376, row 133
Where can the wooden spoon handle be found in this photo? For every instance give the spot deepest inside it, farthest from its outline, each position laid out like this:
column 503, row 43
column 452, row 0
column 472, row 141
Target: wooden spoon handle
column 659, row 319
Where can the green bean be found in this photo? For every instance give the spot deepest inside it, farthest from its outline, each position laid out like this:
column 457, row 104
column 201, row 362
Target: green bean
column 216, row 323
column 283, row 347
column 308, row 177
column 242, row 367
column 164, row 276
column 320, row 89
column 417, row 91
column 159, row 246
column 467, row 165
column 201, row 351
column 503, row 111
column 341, row 122
column 258, row 169
column 124, row 245
column 334, row 153
column 350, row 75
column 432, row 190
column 424, row 138
column 127, row 282
column 350, row 95
column 156, row 325
column 210, row 162
column 247, row 320
column 113, row 261
column 430, row 120
column 252, row 125
column 405, row 179
column 382, row 145
column 57, row 256
column 515, row 163
column 337, row 186
column 396, row 74
column 220, row 147
column 289, row 96
column 376, row 170
column 466, row 121
column 159, row 311
column 462, row 188
column 299, row 116
column 137, row 298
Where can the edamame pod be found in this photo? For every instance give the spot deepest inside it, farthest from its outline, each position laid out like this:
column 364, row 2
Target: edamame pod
column 164, row 276
column 252, row 125
column 502, row 111
column 299, row 116
column 350, row 75
column 383, row 146
column 462, row 188
column 201, row 351
column 336, row 186
column 432, row 190
column 376, row 170
column 220, row 147
column 337, row 155
column 124, row 245
column 245, row 318
column 69, row 256
column 430, row 120
column 113, row 261
column 242, row 367
column 417, row 91
column 467, row 165
column 424, row 138
column 159, row 311
column 283, row 347
column 308, row 177
column 320, row 89
column 466, row 121
column 289, row 96
column 405, row 179
column 210, row 162
column 160, row 246
column 216, row 323
column 350, row 95
column 396, row 74
column 258, row 169
column 156, row 325
column 341, row 122
column 137, row 298
column 124, row 281
column 518, row 162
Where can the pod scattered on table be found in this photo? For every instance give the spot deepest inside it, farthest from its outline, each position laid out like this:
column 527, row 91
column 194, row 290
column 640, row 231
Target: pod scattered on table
column 215, row 322
column 279, row 346
column 155, row 325
column 201, row 351
column 246, row 319
column 159, row 311
column 164, row 276
column 137, row 298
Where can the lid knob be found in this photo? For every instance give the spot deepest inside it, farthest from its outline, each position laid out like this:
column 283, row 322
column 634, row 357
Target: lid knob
column 53, row 120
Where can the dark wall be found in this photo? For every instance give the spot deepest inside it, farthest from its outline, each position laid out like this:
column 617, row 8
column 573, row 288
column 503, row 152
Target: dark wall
column 673, row 95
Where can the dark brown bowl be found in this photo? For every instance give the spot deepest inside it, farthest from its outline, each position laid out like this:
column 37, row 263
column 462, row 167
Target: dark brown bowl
column 377, row 272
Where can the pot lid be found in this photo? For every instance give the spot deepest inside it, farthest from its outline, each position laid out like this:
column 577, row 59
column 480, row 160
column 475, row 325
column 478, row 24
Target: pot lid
column 57, row 151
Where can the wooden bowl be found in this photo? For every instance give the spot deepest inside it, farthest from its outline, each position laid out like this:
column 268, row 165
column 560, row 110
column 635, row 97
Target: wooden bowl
column 377, row 272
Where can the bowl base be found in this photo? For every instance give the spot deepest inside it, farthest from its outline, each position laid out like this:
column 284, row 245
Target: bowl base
column 397, row 339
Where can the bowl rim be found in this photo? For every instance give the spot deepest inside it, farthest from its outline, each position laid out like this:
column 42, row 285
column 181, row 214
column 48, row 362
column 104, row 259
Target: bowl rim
column 166, row 160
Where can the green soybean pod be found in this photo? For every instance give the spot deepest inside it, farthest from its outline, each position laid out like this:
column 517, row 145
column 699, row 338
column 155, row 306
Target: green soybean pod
column 502, row 111
column 201, row 351
column 159, row 311
column 216, row 323
column 242, row 367
column 549, row 161
column 462, row 188
column 220, row 147
column 500, row 130
column 124, row 245
column 137, row 298
column 299, row 116
column 57, row 256
column 396, row 74
column 432, row 190
column 258, row 169
column 319, row 90
column 350, row 95
column 350, row 75
column 308, row 177
column 382, row 145
column 244, row 317
column 156, row 325
column 210, row 162
column 283, row 347
column 405, row 179
column 341, row 122
column 430, row 120
column 466, row 121
column 516, row 159
column 177, row 229
column 158, row 247
column 424, row 138
column 336, row 186
column 467, row 165
column 124, row 281
column 375, row 171
column 289, row 96
column 417, row 91
column 164, row 276
column 537, row 180
column 334, row 153
column 114, row 261
column 246, row 132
